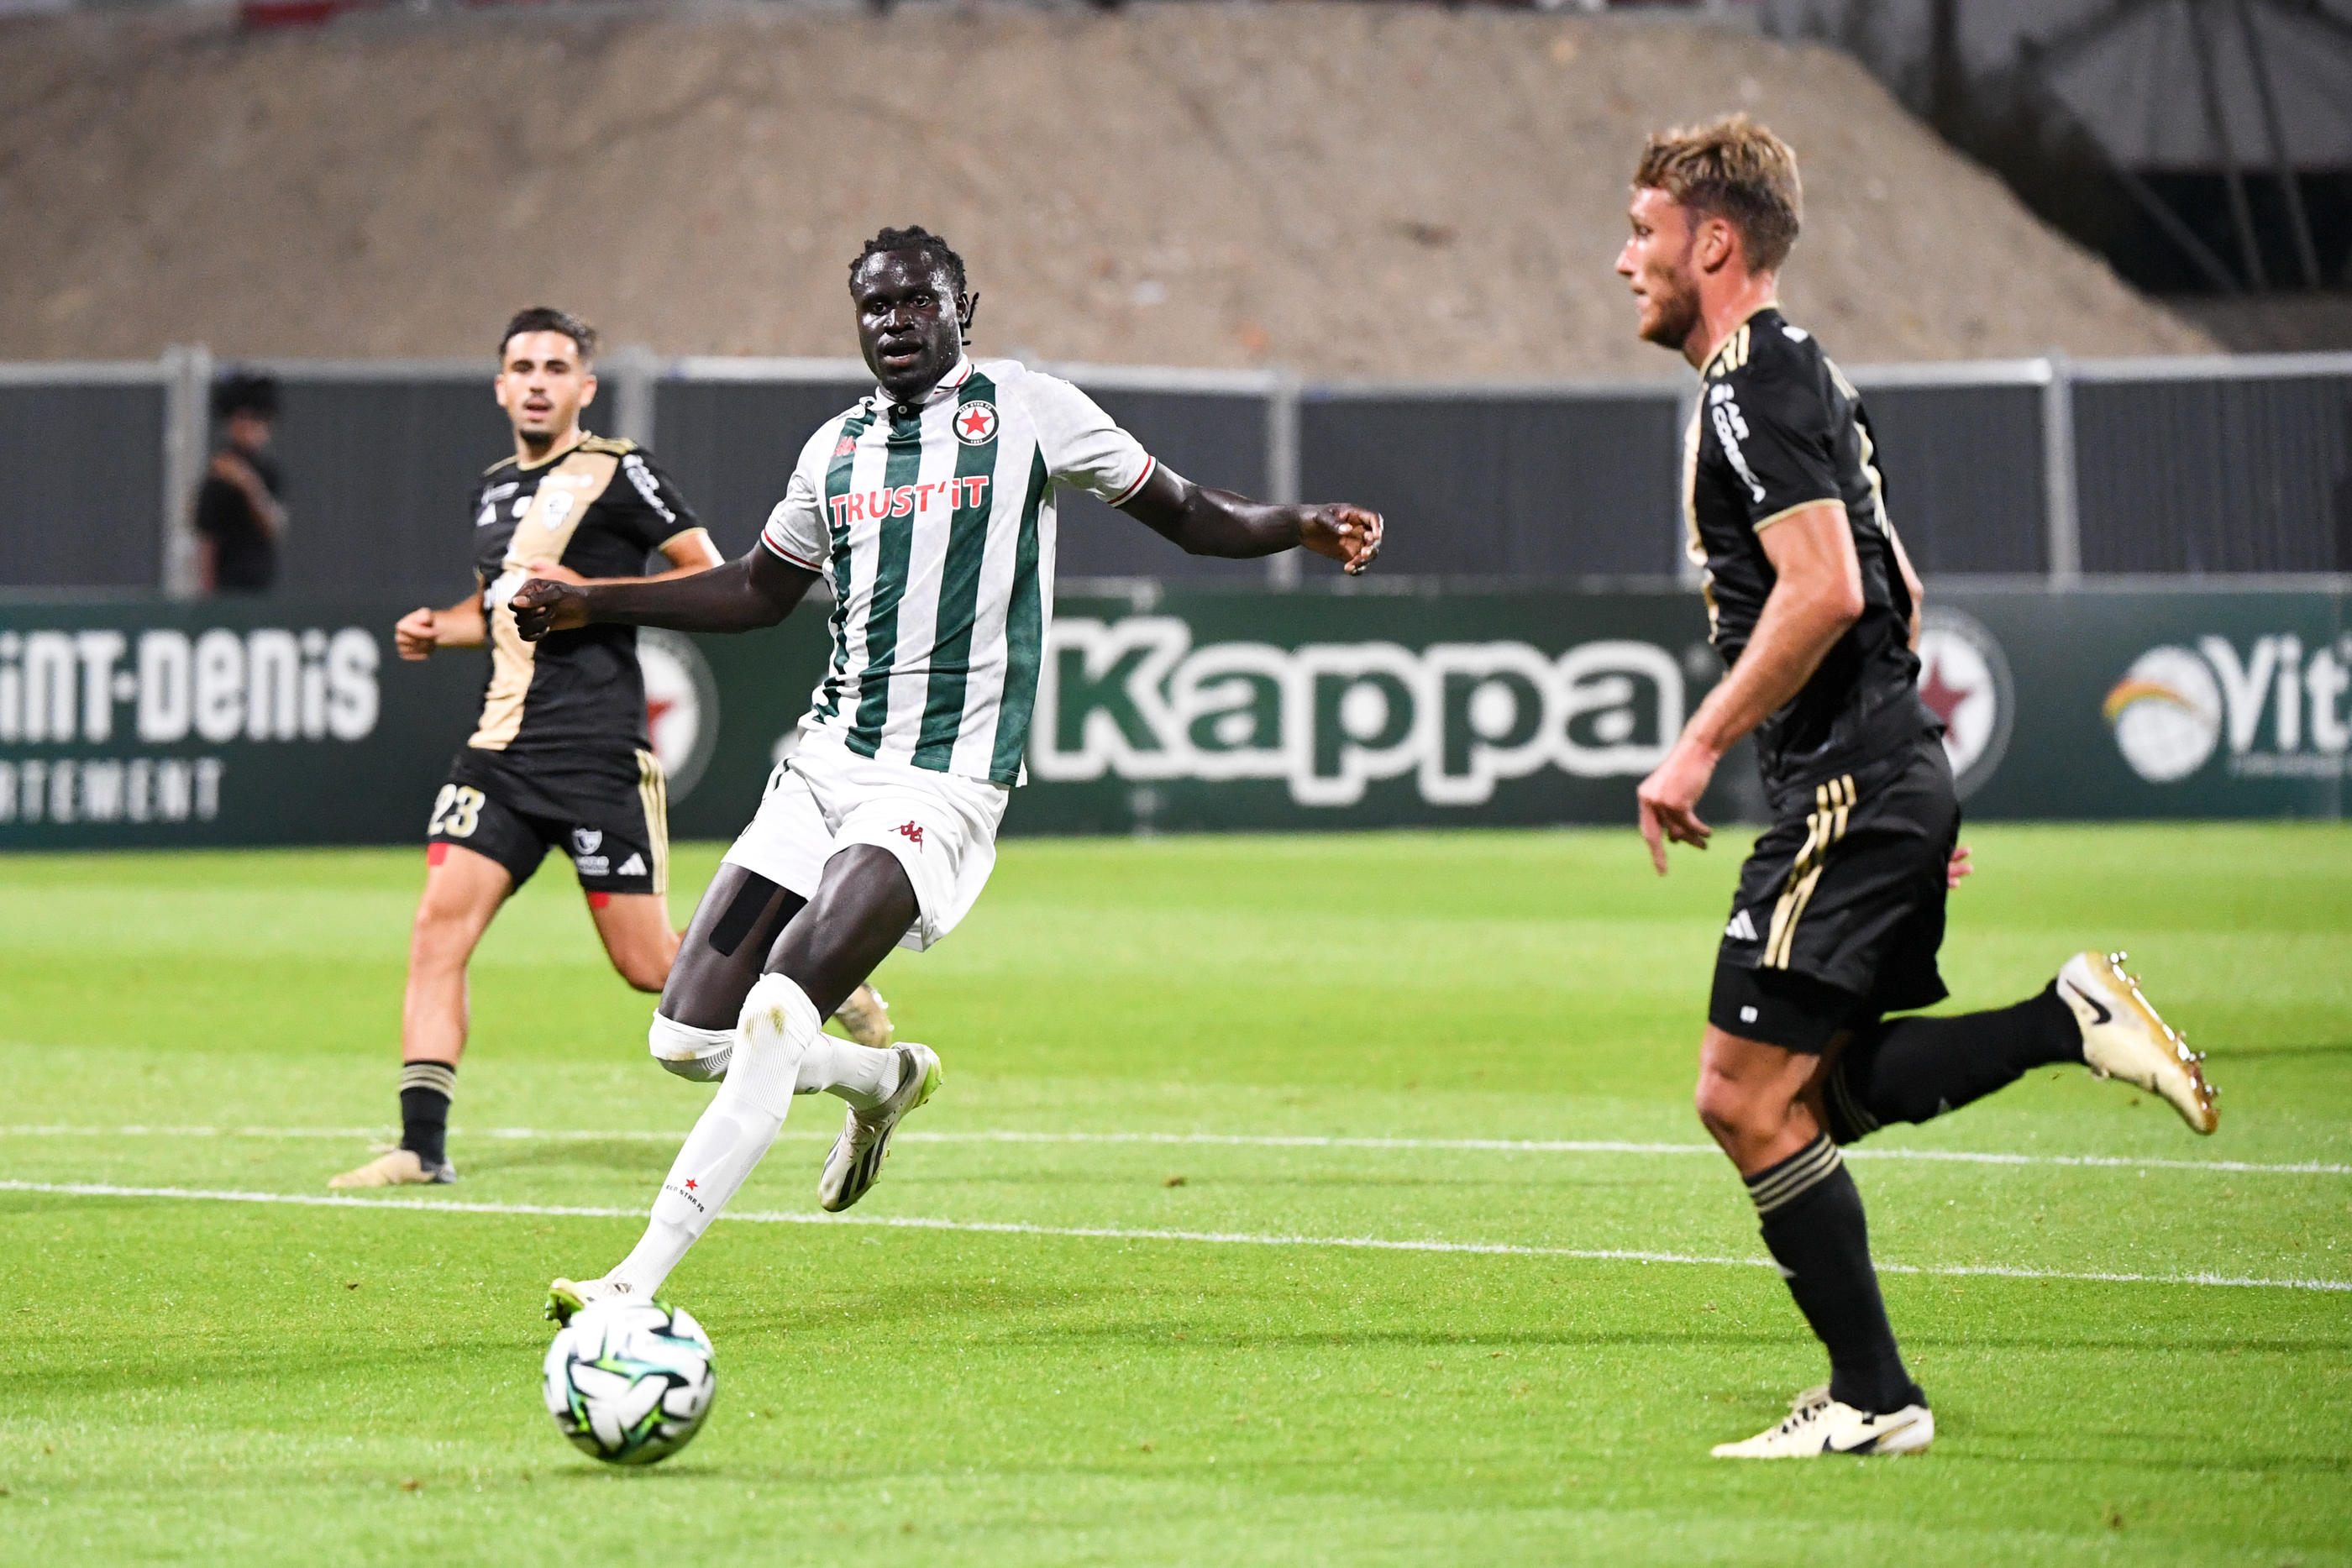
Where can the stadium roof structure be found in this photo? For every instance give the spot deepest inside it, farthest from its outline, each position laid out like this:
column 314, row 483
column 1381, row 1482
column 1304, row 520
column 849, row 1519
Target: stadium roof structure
column 2209, row 86
column 2196, row 86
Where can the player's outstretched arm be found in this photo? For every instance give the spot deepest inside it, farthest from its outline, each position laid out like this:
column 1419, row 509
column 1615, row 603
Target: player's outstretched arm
column 1201, row 521
column 758, row 590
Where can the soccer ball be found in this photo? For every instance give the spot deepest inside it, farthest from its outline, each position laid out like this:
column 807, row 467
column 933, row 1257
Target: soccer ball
column 630, row 1382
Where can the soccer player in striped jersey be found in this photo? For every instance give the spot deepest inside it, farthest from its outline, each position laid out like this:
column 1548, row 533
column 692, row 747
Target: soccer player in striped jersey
column 929, row 508
column 1840, row 910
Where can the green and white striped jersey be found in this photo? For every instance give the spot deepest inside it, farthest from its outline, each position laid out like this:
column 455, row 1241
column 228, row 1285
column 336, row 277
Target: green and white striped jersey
column 936, row 531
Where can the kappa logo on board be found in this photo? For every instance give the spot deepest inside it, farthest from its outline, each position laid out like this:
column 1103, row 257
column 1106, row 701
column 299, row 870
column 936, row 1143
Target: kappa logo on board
column 847, row 445
column 975, row 423
column 1134, row 699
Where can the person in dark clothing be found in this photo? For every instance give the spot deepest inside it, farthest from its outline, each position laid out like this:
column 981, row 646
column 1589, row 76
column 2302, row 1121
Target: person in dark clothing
column 239, row 518
column 1840, row 913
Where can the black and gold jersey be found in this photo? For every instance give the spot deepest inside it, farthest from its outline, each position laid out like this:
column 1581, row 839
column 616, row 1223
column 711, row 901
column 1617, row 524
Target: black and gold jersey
column 1779, row 428
column 597, row 507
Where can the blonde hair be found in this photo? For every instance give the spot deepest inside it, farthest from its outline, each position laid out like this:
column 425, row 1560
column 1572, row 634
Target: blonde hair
column 1736, row 170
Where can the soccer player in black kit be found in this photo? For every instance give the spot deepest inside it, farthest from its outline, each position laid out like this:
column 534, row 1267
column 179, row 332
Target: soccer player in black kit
column 1840, row 912
column 558, row 757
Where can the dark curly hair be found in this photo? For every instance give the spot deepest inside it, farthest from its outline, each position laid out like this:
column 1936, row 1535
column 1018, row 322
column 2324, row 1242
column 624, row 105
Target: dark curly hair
column 917, row 238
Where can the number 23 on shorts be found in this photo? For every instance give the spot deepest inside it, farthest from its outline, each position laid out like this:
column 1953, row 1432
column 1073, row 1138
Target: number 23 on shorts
column 456, row 811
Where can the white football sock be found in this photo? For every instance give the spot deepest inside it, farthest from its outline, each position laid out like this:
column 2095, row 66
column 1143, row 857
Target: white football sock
column 700, row 1054
column 858, row 1073
column 734, row 1131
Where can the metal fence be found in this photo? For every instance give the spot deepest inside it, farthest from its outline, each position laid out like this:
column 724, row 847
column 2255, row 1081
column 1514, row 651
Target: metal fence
column 2042, row 468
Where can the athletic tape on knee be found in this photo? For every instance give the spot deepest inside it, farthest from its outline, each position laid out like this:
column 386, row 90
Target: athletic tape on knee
column 735, row 924
column 700, row 1054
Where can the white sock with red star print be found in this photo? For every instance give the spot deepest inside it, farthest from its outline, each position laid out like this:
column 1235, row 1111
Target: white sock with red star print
column 778, row 1025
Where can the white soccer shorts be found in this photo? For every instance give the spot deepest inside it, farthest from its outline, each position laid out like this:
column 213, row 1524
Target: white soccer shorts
column 825, row 797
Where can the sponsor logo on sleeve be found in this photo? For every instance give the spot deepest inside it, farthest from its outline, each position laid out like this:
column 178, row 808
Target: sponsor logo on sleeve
column 642, row 477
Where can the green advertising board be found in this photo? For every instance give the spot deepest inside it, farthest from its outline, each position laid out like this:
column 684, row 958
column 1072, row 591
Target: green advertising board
column 131, row 724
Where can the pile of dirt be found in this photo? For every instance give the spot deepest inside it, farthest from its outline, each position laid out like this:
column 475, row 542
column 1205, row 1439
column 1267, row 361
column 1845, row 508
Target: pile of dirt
column 1347, row 189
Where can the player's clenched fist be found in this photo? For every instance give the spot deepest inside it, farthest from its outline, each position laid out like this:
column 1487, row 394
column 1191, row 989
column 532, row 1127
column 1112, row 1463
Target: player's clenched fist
column 1349, row 534
column 541, row 606
column 414, row 637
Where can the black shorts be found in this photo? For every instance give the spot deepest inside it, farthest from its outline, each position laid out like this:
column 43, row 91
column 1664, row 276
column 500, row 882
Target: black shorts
column 1841, row 906
column 610, row 812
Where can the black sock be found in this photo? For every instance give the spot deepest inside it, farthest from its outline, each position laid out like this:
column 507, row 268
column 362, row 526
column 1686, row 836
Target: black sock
column 1814, row 1226
column 425, row 1088
column 1917, row 1068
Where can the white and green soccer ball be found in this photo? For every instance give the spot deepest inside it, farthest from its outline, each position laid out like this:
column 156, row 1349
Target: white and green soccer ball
column 630, row 1382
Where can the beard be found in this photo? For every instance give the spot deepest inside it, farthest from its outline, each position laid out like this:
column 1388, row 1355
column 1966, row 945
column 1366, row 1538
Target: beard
column 1674, row 302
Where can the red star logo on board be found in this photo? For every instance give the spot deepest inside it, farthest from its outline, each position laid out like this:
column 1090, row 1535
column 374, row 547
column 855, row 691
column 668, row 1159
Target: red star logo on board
column 1943, row 701
column 655, row 707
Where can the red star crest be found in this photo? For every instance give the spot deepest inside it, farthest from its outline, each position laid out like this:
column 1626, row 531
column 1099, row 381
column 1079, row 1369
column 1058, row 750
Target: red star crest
column 975, row 423
column 1942, row 700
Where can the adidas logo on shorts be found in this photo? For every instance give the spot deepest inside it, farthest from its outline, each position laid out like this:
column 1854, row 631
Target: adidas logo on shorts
column 1741, row 928
column 634, row 866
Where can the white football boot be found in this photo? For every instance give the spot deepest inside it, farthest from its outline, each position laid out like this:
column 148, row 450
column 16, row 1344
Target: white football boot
column 866, row 1016
column 2123, row 1038
column 1819, row 1425
column 855, row 1162
column 565, row 1297
column 394, row 1167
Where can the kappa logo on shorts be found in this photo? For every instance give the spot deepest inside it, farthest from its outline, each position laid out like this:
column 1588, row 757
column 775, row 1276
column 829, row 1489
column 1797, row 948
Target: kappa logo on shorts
column 975, row 423
column 587, row 839
column 912, row 833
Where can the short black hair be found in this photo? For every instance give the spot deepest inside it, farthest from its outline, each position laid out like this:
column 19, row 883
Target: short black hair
column 917, row 238
column 548, row 318
column 245, row 391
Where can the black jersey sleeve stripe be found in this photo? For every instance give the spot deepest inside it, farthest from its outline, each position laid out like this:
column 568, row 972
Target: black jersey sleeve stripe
column 1760, row 524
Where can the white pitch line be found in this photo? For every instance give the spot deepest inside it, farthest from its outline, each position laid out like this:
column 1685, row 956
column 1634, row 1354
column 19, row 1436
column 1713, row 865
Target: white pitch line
column 1118, row 1233
column 1234, row 1140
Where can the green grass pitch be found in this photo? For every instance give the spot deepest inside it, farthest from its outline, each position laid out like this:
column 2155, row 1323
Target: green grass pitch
column 1205, row 1045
